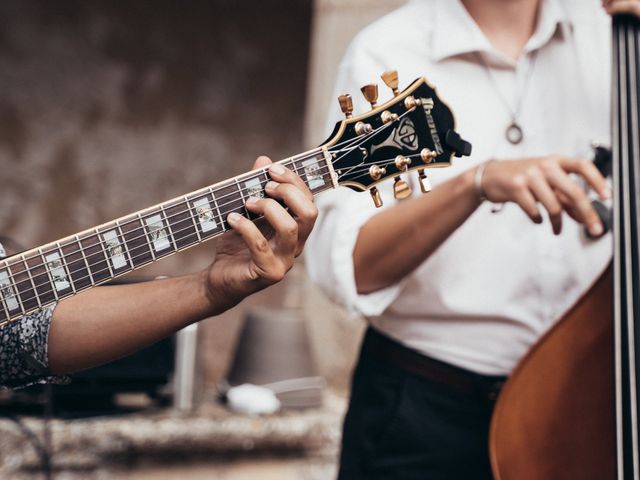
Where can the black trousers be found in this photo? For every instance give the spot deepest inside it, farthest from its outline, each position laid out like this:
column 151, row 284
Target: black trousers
column 402, row 426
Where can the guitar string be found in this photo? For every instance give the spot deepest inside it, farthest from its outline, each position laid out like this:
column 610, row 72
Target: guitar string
column 176, row 239
column 633, row 147
column 204, row 192
column 102, row 252
column 177, row 236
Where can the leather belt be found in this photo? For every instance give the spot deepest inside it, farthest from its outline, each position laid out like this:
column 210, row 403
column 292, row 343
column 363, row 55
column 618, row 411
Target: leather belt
column 410, row 361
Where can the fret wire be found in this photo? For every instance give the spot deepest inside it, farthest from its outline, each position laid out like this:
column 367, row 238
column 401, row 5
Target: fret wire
column 103, row 250
column 84, row 257
column 14, row 290
column 215, row 201
column 82, row 249
column 163, row 214
column 124, row 243
column 66, row 267
column 33, row 284
column 146, row 237
column 46, row 268
column 218, row 208
column 193, row 218
column 5, row 307
column 122, row 273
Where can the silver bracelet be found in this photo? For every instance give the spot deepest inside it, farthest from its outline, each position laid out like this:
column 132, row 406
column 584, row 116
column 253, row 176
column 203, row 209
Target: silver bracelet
column 477, row 180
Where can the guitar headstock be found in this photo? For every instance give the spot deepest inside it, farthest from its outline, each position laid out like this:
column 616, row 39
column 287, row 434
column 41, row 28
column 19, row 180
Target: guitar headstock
column 411, row 132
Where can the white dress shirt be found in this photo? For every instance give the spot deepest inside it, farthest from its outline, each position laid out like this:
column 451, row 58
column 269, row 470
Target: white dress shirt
column 500, row 281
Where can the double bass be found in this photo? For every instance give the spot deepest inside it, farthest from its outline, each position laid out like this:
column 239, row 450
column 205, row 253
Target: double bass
column 570, row 408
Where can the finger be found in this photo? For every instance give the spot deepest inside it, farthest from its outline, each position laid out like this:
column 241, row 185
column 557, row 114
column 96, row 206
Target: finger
column 568, row 206
column 623, row 6
column 527, row 202
column 261, row 162
column 590, row 173
column 283, row 224
column 578, row 199
column 283, row 175
column 256, row 243
column 303, row 209
column 543, row 192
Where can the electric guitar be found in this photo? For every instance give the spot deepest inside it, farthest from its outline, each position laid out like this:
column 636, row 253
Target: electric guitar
column 412, row 131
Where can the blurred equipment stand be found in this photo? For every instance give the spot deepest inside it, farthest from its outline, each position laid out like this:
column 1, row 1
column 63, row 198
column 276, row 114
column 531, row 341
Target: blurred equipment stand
column 184, row 378
column 273, row 352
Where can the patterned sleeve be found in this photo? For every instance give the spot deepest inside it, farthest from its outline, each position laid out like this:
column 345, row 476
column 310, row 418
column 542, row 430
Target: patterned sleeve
column 23, row 351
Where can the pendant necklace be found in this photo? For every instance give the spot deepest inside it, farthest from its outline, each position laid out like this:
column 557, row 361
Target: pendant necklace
column 513, row 132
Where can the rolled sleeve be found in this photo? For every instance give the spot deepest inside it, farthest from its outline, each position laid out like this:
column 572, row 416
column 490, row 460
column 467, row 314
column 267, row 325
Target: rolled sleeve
column 329, row 257
column 24, row 351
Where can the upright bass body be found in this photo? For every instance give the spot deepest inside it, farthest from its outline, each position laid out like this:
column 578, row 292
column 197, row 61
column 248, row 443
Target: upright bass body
column 555, row 417
column 570, row 409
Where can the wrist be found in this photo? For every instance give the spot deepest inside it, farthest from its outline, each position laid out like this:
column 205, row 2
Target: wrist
column 478, row 178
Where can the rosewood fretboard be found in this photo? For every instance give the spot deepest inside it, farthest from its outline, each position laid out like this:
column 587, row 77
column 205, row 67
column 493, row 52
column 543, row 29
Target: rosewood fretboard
column 44, row 275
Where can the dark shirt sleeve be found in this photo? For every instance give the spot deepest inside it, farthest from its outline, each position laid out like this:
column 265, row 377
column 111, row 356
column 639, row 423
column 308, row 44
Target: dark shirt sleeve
column 23, row 351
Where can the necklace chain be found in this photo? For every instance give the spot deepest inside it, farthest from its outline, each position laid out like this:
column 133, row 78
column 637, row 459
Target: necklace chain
column 513, row 133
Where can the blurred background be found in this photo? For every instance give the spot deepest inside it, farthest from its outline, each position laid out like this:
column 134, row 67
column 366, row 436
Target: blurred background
column 107, row 107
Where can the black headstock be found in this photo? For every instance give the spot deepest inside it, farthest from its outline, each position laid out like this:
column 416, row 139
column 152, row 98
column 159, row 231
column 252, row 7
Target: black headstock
column 412, row 131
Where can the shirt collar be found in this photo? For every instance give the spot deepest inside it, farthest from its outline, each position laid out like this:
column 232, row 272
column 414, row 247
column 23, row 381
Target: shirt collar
column 456, row 33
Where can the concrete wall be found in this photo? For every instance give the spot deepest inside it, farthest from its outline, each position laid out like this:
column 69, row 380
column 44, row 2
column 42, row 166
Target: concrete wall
column 107, row 107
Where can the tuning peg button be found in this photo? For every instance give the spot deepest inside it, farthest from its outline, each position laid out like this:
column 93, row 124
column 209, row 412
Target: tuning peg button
column 375, row 195
column 377, row 172
column 425, row 183
column 363, row 128
column 387, row 116
column 402, row 162
column 411, row 102
column 401, row 189
column 346, row 105
column 427, row 155
column 390, row 78
column 370, row 93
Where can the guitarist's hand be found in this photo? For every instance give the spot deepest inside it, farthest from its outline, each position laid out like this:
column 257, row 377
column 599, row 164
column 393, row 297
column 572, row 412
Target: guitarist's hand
column 613, row 7
column 256, row 255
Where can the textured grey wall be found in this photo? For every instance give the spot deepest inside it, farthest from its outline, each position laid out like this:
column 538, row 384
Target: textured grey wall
column 107, row 107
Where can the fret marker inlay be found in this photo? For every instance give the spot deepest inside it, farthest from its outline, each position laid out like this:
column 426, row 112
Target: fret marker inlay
column 6, row 292
column 313, row 173
column 157, row 233
column 115, row 249
column 205, row 215
column 254, row 188
column 58, row 273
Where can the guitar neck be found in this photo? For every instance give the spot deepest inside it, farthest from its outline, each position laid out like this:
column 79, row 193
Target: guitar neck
column 44, row 275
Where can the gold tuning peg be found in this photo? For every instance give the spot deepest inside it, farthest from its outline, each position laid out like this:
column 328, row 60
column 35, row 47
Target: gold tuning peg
column 401, row 189
column 377, row 172
column 402, row 162
column 370, row 92
column 425, row 183
column 375, row 195
column 390, row 78
column 427, row 155
column 346, row 105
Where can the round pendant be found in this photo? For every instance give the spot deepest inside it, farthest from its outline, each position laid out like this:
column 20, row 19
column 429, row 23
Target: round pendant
column 514, row 133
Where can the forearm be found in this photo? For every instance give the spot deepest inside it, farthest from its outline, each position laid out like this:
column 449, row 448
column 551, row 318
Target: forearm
column 106, row 323
column 395, row 241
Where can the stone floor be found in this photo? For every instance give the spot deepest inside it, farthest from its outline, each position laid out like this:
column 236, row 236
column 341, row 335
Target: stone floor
column 210, row 443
